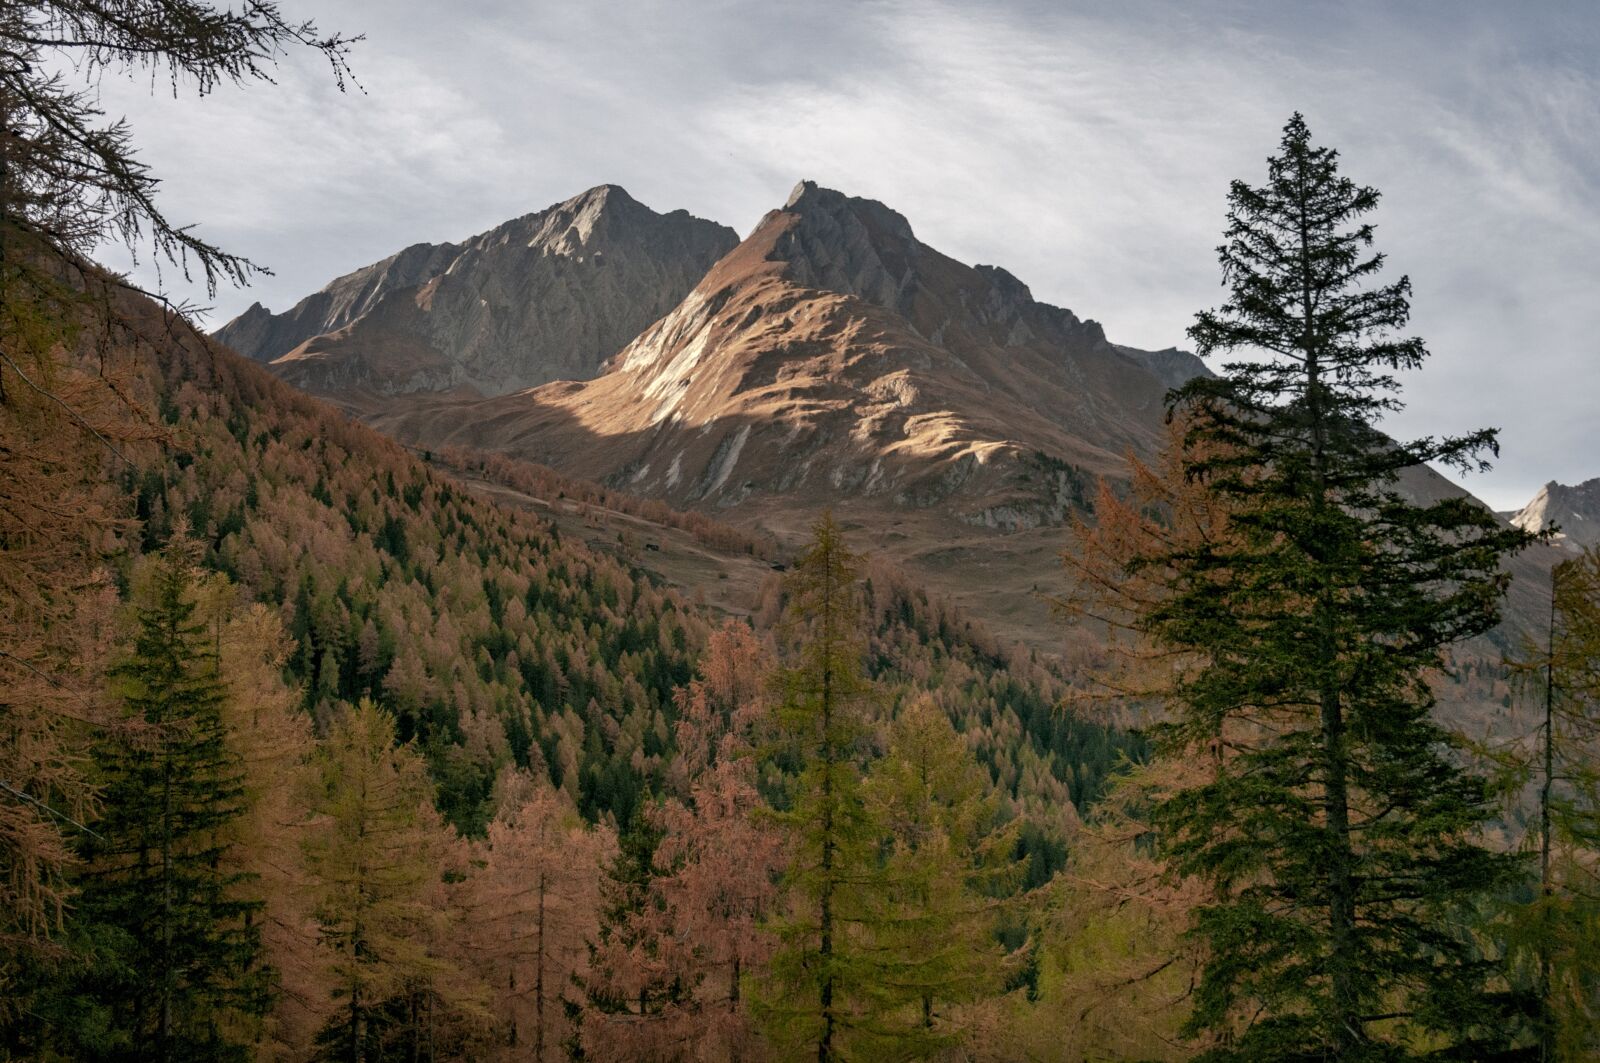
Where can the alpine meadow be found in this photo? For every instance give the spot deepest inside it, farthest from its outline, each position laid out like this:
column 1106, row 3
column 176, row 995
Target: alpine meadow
column 614, row 636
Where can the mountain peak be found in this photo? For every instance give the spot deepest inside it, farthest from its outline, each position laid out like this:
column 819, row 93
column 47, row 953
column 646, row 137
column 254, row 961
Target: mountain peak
column 813, row 201
column 574, row 223
column 603, row 196
column 544, row 296
column 609, row 189
column 802, row 190
column 845, row 244
column 854, row 246
column 1575, row 509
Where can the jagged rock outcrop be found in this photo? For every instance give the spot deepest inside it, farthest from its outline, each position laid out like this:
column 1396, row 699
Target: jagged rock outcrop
column 1575, row 510
column 543, row 297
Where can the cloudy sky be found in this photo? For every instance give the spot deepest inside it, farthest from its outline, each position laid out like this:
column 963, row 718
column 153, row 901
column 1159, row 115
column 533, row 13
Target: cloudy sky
column 1084, row 146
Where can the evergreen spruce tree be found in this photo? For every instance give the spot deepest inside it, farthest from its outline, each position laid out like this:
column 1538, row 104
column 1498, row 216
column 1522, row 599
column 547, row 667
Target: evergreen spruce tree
column 177, row 972
column 1339, row 831
column 824, row 992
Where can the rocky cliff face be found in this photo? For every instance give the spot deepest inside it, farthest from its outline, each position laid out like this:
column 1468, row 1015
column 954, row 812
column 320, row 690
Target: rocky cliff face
column 833, row 355
column 1575, row 510
column 544, row 297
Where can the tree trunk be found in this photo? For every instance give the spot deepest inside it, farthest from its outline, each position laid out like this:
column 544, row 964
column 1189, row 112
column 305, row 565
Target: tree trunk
column 538, row 980
column 825, row 901
column 1547, row 1025
column 511, row 993
column 164, row 1036
column 1348, row 1031
column 356, row 1033
column 734, row 1055
column 416, row 1030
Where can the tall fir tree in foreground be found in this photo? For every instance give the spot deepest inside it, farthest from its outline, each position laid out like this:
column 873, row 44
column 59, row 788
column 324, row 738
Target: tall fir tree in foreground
column 1339, row 832
column 176, row 970
column 824, row 993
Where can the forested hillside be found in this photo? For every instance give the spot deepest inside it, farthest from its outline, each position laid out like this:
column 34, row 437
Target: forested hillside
column 491, row 640
column 351, row 584
column 317, row 748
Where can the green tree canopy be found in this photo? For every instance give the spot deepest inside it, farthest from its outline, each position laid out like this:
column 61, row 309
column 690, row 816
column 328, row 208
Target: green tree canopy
column 950, row 863
column 174, row 970
column 824, row 993
column 1339, row 831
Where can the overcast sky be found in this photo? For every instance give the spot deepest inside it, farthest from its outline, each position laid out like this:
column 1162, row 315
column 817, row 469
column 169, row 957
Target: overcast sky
column 1084, row 146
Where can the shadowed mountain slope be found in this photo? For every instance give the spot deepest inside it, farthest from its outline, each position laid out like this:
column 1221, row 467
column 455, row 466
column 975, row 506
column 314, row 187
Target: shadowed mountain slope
column 542, row 297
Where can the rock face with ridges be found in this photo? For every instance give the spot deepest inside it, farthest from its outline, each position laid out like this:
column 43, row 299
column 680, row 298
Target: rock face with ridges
column 1576, row 510
column 833, row 355
column 543, row 297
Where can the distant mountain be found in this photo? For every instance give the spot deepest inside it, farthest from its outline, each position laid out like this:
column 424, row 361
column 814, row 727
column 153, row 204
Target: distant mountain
column 544, row 297
column 509, row 620
column 833, row 355
column 832, row 359
column 1575, row 510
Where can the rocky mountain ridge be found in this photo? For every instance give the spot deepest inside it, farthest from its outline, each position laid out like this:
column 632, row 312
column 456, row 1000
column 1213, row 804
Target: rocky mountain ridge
column 543, row 297
column 833, row 360
column 1575, row 510
column 833, row 354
